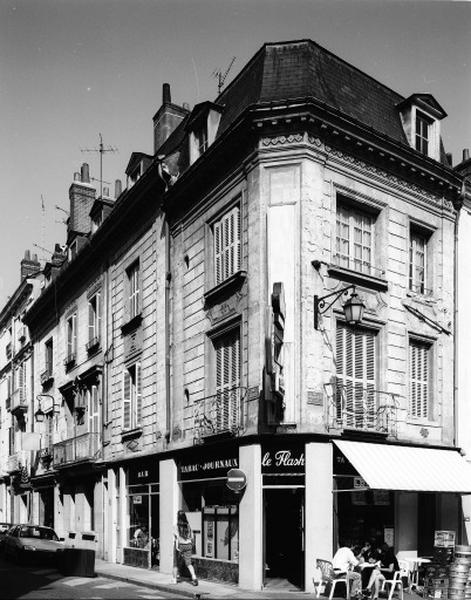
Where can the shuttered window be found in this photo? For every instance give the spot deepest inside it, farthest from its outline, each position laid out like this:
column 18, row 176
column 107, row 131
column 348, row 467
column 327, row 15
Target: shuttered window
column 419, row 369
column 227, row 349
column 132, row 397
column 227, row 245
column 71, row 335
column 356, row 376
column 417, row 262
column 94, row 318
column 94, row 410
column 354, row 240
column 134, row 306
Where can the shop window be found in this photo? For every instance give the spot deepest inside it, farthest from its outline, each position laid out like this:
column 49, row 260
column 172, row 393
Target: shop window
column 132, row 397
column 226, row 234
column 356, row 377
column 419, row 374
column 354, row 239
column 142, row 535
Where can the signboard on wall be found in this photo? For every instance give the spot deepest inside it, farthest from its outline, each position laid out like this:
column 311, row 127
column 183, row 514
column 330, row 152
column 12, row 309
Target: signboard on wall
column 208, row 464
column 143, row 470
column 283, row 457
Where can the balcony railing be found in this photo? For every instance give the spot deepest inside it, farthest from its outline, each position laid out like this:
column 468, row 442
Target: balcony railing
column 18, row 401
column 223, row 413
column 9, row 350
column 93, row 345
column 46, row 376
column 82, row 448
column 352, row 406
column 69, row 361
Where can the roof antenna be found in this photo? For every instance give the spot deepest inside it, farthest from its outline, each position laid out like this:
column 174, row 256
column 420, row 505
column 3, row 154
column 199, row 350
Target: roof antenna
column 221, row 77
column 101, row 149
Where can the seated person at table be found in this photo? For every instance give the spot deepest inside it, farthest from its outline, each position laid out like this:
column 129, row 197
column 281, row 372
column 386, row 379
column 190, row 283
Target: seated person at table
column 385, row 570
column 343, row 562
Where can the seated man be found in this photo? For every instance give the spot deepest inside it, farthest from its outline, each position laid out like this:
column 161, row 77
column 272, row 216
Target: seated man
column 343, row 562
column 387, row 564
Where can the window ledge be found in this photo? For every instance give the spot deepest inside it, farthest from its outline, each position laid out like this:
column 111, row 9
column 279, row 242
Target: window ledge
column 130, row 434
column 228, row 286
column 132, row 324
column 356, row 278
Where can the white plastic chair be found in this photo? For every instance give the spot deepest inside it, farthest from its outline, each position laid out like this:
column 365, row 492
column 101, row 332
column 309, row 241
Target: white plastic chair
column 395, row 582
column 404, row 570
column 325, row 574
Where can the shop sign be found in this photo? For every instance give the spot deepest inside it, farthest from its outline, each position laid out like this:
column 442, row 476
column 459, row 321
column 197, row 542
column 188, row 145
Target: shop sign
column 143, row 471
column 208, row 467
column 284, row 459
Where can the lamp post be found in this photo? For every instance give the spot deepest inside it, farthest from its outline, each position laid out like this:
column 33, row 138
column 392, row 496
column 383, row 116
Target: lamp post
column 353, row 307
column 40, row 414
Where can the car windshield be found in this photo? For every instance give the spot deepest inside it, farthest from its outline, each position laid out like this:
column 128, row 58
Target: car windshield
column 42, row 533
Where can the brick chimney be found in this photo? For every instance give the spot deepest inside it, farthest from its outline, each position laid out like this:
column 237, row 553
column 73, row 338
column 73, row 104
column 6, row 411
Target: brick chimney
column 167, row 118
column 82, row 197
column 29, row 266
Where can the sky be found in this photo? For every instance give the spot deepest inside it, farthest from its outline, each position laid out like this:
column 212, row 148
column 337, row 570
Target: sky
column 73, row 69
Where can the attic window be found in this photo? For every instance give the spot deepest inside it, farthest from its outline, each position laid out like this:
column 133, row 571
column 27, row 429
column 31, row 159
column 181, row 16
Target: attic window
column 135, row 174
column 422, row 133
column 201, row 137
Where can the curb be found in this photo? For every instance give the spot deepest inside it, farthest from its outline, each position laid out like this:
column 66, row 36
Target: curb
column 154, row 586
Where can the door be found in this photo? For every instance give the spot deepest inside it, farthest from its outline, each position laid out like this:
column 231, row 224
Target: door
column 284, row 537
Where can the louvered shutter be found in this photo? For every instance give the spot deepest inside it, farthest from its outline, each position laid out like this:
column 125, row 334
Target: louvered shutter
column 356, row 375
column 138, row 394
column 21, row 382
column 74, row 333
column 228, row 380
column 98, row 316
column 126, row 400
column 227, row 250
column 91, row 321
column 419, row 385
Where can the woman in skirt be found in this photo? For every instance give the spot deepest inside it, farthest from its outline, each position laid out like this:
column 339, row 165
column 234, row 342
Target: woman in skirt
column 183, row 547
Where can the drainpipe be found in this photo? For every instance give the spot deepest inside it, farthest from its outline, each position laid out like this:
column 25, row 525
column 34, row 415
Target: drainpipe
column 457, row 204
column 168, row 279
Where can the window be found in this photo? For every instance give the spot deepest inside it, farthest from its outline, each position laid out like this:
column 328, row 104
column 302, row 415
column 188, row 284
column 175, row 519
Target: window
column 133, row 290
column 354, row 240
column 418, row 261
column 21, row 382
column 227, row 245
column 48, row 356
column 94, row 320
column 422, row 133
column 356, row 377
column 201, row 139
column 93, row 410
column 132, row 397
column 419, row 373
column 71, row 327
column 227, row 349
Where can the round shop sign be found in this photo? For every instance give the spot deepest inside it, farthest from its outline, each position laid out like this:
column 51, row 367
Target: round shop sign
column 236, row 480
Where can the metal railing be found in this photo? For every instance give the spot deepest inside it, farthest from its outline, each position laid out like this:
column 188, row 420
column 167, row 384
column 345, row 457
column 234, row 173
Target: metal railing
column 356, row 407
column 357, row 264
column 83, row 447
column 219, row 414
column 93, row 344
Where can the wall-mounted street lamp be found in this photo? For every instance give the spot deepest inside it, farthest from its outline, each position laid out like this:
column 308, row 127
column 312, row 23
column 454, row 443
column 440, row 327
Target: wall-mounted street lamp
column 353, row 307
column 40, row 414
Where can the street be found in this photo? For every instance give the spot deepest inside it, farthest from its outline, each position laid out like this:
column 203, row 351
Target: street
column 42, row 581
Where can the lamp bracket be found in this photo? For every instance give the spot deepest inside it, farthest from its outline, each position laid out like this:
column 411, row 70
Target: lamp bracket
column 321, row 306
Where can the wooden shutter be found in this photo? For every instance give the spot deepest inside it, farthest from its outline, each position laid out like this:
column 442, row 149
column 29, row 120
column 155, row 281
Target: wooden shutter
column 356, row 376
column 228, row 379
column 138, row 394
column 227, row 250
column 419, row 375
column 21, row 382
column 126, row 400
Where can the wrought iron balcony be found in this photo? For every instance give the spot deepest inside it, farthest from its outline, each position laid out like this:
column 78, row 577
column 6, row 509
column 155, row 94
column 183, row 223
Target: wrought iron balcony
column 93, row 345
column 83, row 448
column 223, row 413
column 69, row 361
column 352, row 406
column 18, row 403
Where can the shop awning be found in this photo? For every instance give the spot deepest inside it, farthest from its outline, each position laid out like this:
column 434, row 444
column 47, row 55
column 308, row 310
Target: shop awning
column 405, row 468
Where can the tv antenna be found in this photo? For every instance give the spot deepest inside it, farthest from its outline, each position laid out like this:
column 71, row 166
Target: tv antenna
column 101, row 149
column 45, row 250
column 221, row 77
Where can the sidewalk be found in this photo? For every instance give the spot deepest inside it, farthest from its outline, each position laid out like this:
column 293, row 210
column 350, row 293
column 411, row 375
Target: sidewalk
column 205, row 589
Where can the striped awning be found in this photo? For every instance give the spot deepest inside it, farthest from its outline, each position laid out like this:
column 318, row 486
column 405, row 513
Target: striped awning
column 406, row 468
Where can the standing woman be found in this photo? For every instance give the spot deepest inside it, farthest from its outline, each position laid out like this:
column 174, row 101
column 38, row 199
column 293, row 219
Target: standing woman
column 183, row 546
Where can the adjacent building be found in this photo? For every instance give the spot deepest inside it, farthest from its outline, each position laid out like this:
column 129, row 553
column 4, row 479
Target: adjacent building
column 195, row 323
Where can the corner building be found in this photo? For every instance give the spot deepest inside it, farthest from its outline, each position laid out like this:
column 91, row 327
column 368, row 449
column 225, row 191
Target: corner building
column 304, row 177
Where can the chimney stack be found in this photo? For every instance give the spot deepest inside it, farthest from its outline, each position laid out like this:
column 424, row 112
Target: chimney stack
column 167, row 118
column 29, row 266
column 82, row 197
column 465, row 154
column 449, row 157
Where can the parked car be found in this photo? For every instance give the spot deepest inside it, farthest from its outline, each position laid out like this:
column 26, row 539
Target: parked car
column 23, row 542
column 4, row 527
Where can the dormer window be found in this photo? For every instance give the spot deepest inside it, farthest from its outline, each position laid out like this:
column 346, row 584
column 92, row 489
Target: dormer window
column 422, row 132
column 202, row 126
column 137, row 166
column 421, row 115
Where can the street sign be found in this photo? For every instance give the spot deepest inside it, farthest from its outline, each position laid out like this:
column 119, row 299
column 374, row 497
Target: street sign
column 236, row 480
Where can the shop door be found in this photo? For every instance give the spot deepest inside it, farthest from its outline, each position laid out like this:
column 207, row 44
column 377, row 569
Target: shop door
column 284, row 536
column 47, row 507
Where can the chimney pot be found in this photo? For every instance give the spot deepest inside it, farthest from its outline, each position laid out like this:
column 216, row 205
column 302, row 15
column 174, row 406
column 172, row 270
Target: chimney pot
column 106, row 192
column 465, row 154
column 186, row 106
column 35, row 258
column 118, row 188
column 27, row 255
column 166, row 97
column 449, row 157
column 76, row 176
column 85, row 173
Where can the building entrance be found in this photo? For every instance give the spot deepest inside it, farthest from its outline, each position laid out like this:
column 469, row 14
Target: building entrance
column 284, row 537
